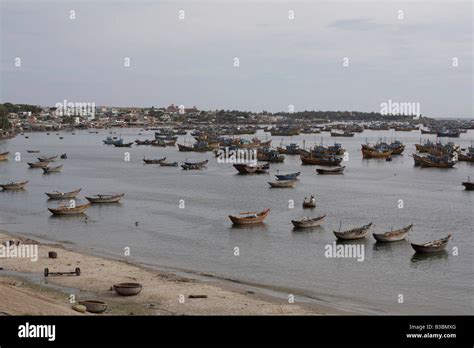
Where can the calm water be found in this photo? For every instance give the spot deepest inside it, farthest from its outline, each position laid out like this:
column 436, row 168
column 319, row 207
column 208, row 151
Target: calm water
column 200, row 236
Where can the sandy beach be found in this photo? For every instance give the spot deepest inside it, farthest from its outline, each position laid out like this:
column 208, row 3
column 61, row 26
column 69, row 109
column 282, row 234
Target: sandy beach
column 26, row 291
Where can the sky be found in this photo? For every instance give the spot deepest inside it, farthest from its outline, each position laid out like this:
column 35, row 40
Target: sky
column 340, row 55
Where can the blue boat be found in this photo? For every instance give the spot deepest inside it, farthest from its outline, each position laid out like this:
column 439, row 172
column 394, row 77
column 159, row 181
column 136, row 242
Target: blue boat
column 291, row 176
column 108, row 141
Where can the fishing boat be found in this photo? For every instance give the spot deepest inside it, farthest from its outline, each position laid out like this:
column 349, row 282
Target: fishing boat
column 292, row 149
column 105, row 198
column 4, row 156
column 311, row 203
column 291, row 176
column 64, row 156
column 194, row 165
column 375, row 153
column 468, row 157
column 355, row 233
column 417, row 159
column 120, row 143
column 393, row 236
column 61, row 195
column 47, row 159
column 283, row 183
column 200, row 146
column 323, row 160
column 468, row 185
column 108, row 141
column 47, row 170
column 169, row 164
column 452, row 133
column 33, row 151
column 307, row 222
column 38, row 164
column 154, row 161
column 251, row 169
column 432, row 161
column 346, row 133
column 268, row 155
column 432, row 247
column 14, row 186
column 331, row 171
column 249, row 217
column 69, row 210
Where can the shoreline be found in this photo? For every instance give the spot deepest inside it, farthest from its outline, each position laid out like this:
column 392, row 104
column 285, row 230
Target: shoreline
column 27, row 291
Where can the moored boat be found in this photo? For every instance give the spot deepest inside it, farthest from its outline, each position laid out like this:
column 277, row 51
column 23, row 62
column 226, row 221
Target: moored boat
column 47, row 159
column 105, row 198
column 346, row 133
column 154, row 161
column 4, row 156
column 355, row 233
column 323, row 160
column 375, row 153
column 331, row 171
column 393, row 236
column 168, row 164
column 69, row 210
column 311, row 203
column 33, row 151
column 283, row 183
column 38, row 164
column 433, row 246
column 249, row 217
column 61, row 195
column 14, row 185
column 306, row 222
column 251, row 169
column 468, row 185
column 194, row 165
column 47, row 170
column 290, row 176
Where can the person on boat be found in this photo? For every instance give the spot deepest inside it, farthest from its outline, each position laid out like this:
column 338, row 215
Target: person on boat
column 312, row 199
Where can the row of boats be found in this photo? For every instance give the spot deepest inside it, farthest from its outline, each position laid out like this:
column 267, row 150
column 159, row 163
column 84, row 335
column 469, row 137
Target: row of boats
column 251, row 218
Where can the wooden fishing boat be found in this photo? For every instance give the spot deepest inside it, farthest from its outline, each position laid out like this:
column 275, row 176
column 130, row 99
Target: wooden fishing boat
column 33, row 151
column 324, row 160
column 431, row 162
column 47, row 159
column 14, row 186
column 469, row 157
column 306, row 222
column 100, row 198
column 169, row 164
column 311, row 203
column 249, row 217
column 375, row 153
column 68, row 210
column 355, row 233
column 393, row 236
column 61, row 195
column 331, row 171
column 291, row 176
column 417, row 159
column 154, row 161
column 47, row 170
column 292, row 149
column 170, row 143
column 468, row 185
column 346, row 133
column 270, row 156
column 38, row 164
column 116, row 144
column 4, row 156
column 432, row 247
column 252, row 169
column 283, row 183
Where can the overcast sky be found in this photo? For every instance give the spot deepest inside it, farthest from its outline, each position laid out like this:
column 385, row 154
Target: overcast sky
column 190, row 61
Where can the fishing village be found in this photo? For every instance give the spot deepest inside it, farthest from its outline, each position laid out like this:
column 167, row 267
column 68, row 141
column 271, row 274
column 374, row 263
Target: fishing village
column 189, row 143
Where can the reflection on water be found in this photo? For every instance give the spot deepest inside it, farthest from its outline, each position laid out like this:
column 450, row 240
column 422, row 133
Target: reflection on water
column 428, row 257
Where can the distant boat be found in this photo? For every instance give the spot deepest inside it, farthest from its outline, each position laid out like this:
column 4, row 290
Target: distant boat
column 47, row 170
column 252, row 169
column 104, row 198
column 38, row 164
column 393, row 236
column 331, row 171
column 250, row 217
column 311, row 203
column 194, row 165
column 432, row 247
column 346, row 133
column 290, row 176
column 68, row 210
column 64, row 156
column 283, row 183
column 355, row 233
column 4, row 156
column 375, row 153
column 306, row 222
column 322, row 160
column 33, row 151
column 154, row 161
column 14, row 186
column 108, row 141
column 61, row 195
column 468, row 185
column 47, row 159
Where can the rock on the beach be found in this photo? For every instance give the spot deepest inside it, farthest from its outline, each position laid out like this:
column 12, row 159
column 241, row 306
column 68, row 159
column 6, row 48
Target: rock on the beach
column 79, row 308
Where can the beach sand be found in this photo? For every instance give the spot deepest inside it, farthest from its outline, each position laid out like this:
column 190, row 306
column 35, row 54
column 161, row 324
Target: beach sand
column 162, row 294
